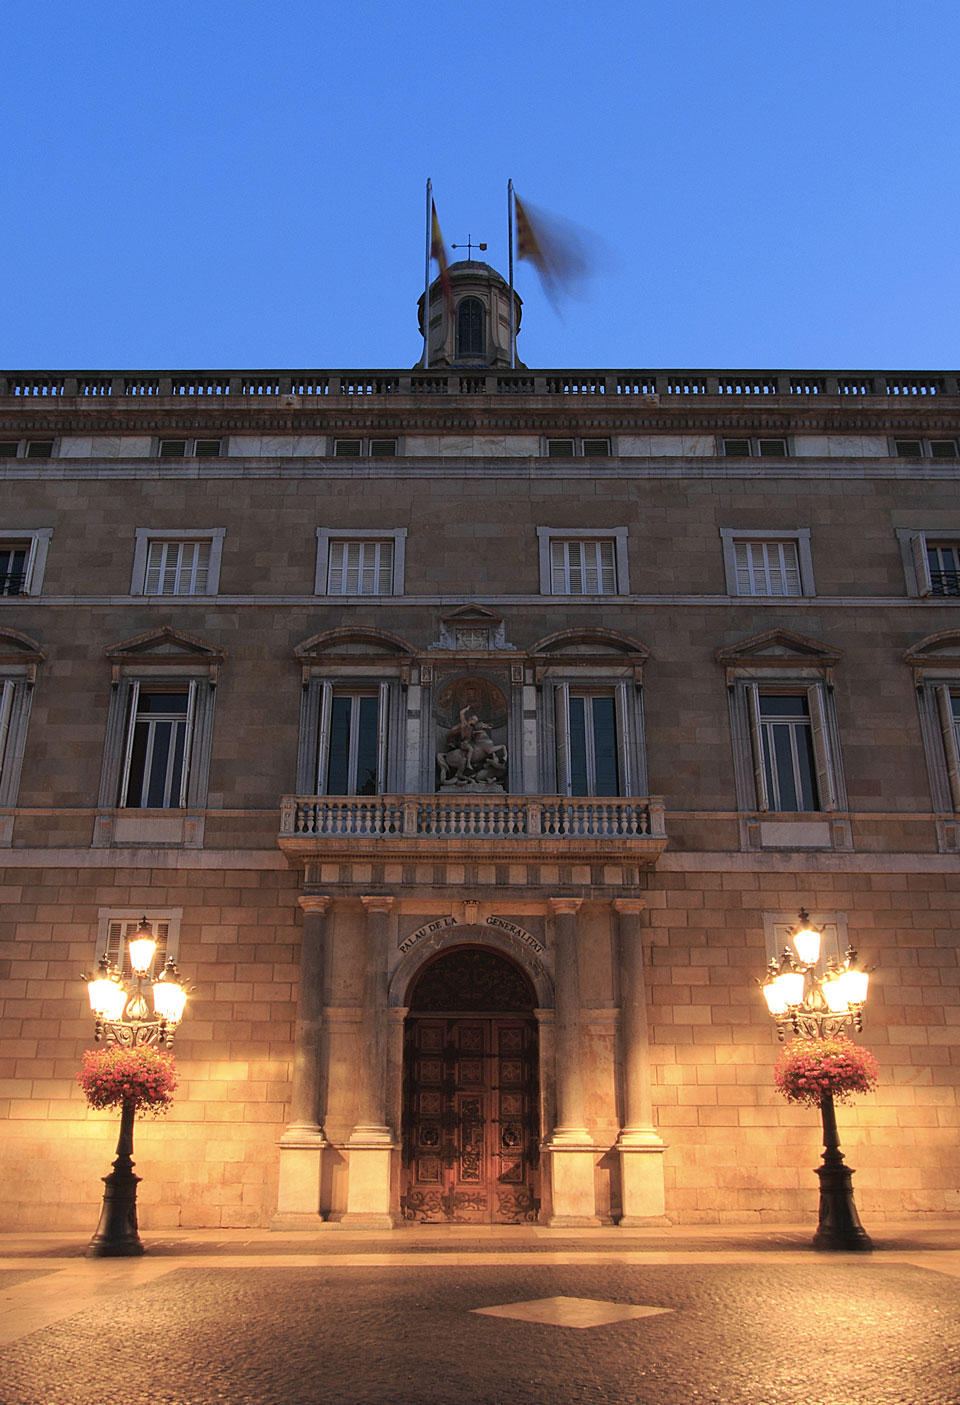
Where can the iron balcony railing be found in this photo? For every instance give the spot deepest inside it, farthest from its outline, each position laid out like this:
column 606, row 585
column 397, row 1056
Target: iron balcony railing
column 945, row 582
column 447, row 816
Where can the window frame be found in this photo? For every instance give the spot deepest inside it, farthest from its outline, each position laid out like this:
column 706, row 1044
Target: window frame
column 366, row 449
column 327, row 535
column 37, row 540
column 577, row 442
column 732, row 537
column 754, row 443
column 177, row 786
column 145, row 537
column 628, row 731
column 190, row 442
column 914, row 544
column 749, row 756
column 618, row 535
column 321, row 685
column 926, row 443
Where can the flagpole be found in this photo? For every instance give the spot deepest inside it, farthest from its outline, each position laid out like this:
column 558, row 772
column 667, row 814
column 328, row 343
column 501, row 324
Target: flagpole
column 426, row 282
column 513, row 314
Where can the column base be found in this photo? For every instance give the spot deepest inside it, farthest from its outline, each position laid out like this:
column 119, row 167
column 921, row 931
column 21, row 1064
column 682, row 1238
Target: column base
column 574, row 1194
column 369, row 1186
column 298, row 1191
column 301, row 1221
column 641, row 1178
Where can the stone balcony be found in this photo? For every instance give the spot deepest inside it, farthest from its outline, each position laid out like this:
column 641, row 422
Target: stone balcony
column 487, row 830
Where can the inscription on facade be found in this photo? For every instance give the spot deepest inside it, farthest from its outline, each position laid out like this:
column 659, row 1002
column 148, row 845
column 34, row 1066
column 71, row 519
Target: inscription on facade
column 518, row 933
column 428, row 930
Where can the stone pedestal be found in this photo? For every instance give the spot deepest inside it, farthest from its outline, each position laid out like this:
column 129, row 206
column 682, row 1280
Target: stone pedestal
column 368, row 1187
column 298, row 1194
column 574, row 1195
column 641, row 1184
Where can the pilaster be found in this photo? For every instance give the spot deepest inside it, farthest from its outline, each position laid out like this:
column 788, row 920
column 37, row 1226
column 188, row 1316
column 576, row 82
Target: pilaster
column 639, row 1143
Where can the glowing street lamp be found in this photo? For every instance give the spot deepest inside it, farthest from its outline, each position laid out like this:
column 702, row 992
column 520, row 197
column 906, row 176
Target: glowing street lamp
column 125, row 1017
column 819, row 1006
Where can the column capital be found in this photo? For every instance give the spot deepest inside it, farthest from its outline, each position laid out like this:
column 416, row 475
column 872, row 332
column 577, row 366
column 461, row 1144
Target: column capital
column 564, row 907
column 629, row 907
column 378, row 902
column 314, row 902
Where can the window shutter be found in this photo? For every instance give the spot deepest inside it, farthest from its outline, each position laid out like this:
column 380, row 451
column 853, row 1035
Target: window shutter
column 188, row 742
column 921, row 566
column 564, row 766
column 323, row 737
column 756, row 746
column 950, row 750
column 624, row 768
column 6, row 710
column 383, row 698
column 28, row 568
column 128, row 748
column 821, row 747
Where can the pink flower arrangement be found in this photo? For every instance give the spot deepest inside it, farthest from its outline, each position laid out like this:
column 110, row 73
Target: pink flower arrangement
column 809, row 1068
column 143, row 1075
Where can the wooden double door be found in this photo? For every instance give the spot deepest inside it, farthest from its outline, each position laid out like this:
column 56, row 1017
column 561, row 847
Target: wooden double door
column 471, row 1124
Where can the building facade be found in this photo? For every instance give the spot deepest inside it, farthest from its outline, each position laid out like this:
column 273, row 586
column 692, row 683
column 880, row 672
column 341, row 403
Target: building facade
column 473, row 736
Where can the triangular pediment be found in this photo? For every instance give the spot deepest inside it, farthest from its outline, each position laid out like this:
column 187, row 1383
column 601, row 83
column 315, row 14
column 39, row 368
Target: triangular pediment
column 165, row 645
column 355, row 642
column 590, row 643
column 472, row 614
column 778, row 647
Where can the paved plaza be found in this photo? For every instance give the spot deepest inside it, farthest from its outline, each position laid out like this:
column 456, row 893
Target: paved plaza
column 426, row 1317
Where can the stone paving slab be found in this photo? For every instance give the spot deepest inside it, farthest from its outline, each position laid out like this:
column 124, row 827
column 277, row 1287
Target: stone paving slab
column 837, row 1330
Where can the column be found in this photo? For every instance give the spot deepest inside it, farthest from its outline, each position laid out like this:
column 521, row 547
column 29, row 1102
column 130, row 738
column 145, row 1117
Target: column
column 639, row 1144
column 572, row 1151
column 301, row 1145
column 371, row 1143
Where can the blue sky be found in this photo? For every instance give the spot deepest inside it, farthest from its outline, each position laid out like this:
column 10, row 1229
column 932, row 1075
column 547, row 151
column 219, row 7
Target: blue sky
column 241, row 184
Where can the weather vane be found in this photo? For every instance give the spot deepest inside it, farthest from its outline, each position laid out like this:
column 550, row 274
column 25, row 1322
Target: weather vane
column 469, row 247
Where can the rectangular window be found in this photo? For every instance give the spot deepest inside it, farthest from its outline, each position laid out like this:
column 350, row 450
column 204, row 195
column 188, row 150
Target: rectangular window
column 765, row 448
column 767, row 568
column 789, row 762
column 352, row 741
column 383, row 448
column 593, row 745
column 925, row 448
column 173, row 448
column 14, row 567
column 117, row 926
column 8, row 448
column 177, row 568
column 560, row 448
column 347, row 448
column 943, row 564
column 207, row 448
column 39, row 448
column 583, row 568
column 158, row 744
column 578, row 448
column 23, row 558
column 360, row 568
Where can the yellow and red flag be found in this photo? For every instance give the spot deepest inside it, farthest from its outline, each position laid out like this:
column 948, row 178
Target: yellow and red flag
column 438, row 252
column 552, row 246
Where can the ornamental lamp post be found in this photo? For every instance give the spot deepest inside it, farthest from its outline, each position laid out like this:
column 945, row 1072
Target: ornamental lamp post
column 123, row 1018
column 820, row 1006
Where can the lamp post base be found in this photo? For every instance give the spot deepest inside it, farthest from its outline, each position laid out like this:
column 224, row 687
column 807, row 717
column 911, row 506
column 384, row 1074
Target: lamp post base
column 839, row 1227
column 117, row 1233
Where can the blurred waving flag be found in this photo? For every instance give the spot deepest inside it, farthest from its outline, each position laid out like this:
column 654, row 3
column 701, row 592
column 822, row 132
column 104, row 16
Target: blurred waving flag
column 438, row 252
column 554, row 247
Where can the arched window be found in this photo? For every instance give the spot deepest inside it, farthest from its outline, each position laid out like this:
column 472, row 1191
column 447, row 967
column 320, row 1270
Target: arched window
column 470, row 327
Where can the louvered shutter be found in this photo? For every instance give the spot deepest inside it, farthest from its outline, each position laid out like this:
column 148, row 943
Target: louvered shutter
column 950, row 750
column 756, row 746
column 822, row 750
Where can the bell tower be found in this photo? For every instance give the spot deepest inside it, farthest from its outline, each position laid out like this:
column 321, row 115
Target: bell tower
column 477, row 334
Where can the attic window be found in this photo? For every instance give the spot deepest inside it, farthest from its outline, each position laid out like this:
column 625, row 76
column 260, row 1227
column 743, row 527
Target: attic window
column 470, row 327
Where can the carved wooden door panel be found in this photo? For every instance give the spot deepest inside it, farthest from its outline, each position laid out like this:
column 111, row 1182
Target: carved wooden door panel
column 470, row 1125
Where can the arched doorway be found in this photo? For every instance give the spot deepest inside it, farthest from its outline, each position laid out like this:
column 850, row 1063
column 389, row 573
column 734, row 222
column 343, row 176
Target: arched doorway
column 470, row 1099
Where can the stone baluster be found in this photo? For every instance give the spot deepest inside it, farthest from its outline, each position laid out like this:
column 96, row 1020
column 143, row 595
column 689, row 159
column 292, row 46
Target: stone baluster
column 639, row 1143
